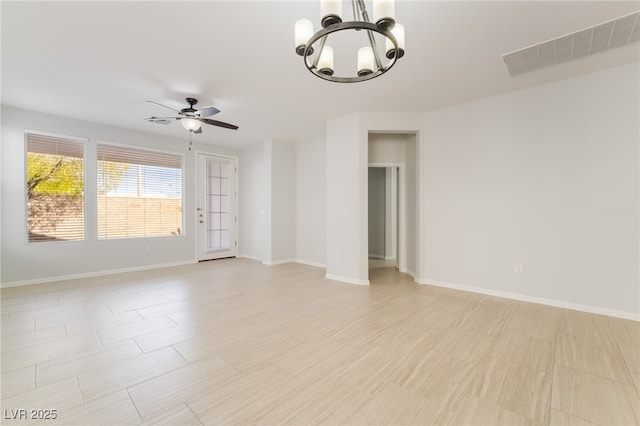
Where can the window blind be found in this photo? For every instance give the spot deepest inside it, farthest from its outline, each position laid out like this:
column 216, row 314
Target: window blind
column 139, row 192
column 55, row 188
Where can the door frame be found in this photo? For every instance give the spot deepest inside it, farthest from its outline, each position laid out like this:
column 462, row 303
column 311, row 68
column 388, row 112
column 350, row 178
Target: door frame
column 401, row 249
column 199, row 196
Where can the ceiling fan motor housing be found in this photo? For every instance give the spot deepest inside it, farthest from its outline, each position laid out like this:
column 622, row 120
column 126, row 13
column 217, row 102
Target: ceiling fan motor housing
column 191, row 110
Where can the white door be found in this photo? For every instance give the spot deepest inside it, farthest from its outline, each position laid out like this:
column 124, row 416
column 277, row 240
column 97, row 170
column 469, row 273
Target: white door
column 216, row 207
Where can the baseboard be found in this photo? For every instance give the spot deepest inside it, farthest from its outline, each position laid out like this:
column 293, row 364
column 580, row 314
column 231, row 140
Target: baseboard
column 309, row 263
column 246, row 256
column 346, row 279
column 277, row 262
column 376, row 256
column 410, row 273
column 280, row 262
column 96, row 274
column 532, row 299
column 389, row 258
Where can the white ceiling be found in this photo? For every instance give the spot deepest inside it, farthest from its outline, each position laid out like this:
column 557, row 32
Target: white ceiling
column 100, row 61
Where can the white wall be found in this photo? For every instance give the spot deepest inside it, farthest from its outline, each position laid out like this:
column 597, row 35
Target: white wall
column 546, row 177
column 377, row 212
column 346, row 164
column 267, row 152
column 23, row 263
column 283, row 202
column 311, row 202
column 412, row 213
column 391, row 213
column 268, row 202
column 387, row 148
column 252, row 202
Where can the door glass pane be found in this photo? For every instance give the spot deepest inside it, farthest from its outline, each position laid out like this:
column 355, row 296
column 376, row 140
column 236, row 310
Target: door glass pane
column 224, row 186
column 215, row 204
column 218, row 237
column 224, row 238
column 224, row 204
column 224, row 171
column 214, row 238
column 215, row 221
column 214, row 168
column 214, row 185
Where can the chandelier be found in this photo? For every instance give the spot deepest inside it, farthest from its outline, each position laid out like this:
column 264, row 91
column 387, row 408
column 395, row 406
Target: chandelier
column 317, row 52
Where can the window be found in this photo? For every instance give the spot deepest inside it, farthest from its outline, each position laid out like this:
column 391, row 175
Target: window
column 139, row 192
column 55, row 188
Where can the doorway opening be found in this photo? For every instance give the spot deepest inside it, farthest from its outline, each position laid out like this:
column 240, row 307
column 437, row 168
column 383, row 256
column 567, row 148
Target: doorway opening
column 393, row 203
column 383, row 217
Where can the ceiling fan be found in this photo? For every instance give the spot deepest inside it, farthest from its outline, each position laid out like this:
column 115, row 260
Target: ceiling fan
column 191, row 118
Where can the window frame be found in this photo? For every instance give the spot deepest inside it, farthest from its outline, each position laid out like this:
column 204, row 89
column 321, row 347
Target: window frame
column 141, row 148
column 25, row 196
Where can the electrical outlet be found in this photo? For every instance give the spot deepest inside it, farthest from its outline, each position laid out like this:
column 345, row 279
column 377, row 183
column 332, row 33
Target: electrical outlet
column 517, row 268
column 147, row 248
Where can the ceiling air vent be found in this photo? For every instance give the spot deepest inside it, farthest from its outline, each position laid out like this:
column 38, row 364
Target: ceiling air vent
column 606, row 36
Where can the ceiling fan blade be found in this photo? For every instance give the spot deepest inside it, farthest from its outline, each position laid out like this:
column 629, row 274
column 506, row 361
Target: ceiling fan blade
column 152, row 102
column 163, row 118
column 219, row 123
column 207, row 112
column 198, row 131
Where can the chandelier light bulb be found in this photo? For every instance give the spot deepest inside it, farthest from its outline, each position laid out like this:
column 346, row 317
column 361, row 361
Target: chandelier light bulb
column 398, row 32
column 384, row 13
column 325, row 63
column 303, row 32
column 191, row 124
column 366, row 61
column 331, row 12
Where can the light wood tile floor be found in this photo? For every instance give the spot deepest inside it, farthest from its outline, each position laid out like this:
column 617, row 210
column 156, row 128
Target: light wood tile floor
column 236, row 342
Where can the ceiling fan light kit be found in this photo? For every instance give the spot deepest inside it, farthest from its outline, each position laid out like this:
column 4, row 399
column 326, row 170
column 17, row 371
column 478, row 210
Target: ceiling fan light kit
column 318, row 54
column 191, row 118
column 191, row 124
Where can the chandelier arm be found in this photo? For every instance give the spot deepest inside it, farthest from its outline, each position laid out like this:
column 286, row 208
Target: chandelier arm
column 323, row 40
column 355, row 9
column 374, row 47
column 372, row 40
column 363, row 10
